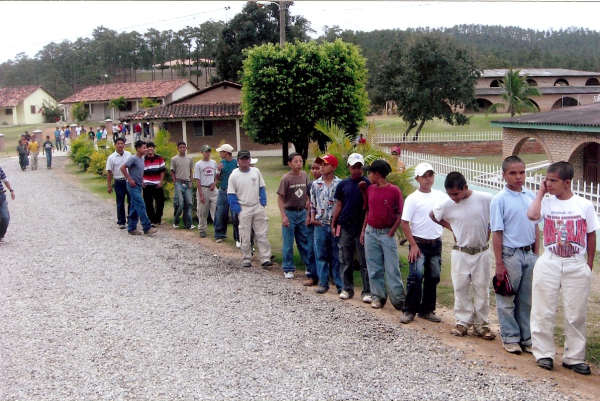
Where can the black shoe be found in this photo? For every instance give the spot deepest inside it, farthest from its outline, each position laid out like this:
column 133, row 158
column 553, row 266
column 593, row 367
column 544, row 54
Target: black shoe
column 546, row 363
column 267, row 263
column 581, row 368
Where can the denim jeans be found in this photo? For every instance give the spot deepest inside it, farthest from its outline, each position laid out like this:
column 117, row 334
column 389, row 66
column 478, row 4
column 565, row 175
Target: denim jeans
column 58, row 144
column 383, row 264
column 514, row 310
column 327, row 256
column 223, row 216
column 423, row 278
column 48, row 159
column 311, row 268
column 182, row 203
column 297, row 230
column 153, row 194
column 121, row 193
column 137, row 209
column 4, row 215
column 349, row 244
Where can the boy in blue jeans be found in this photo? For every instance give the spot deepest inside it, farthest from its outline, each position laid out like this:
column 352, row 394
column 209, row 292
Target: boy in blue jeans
column 312, row 278
column 322, row 204
column 349, row 215
column 384, row 212
column 293, row 201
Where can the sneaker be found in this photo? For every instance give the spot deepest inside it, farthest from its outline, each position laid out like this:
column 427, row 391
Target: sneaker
column 152, row 230
column 546, row 363
column 309, row 282
column 288, row 274
column 376, row 304
column 407, row 317
column 268, row 263
column 367, row 298
column 238, row 244
column 527, row 348
column 581, row 368
column 484, row 333
column 134, row 232
column 122, row 226
column 175, row 225
column 431, row 317
column 246, row 264
column 512, row 348
column 2, row 240
column 219, row 240
column 345, row 295
column 321, row 290
column 459, row 330
column 202, row 235
column 153, row 225
column 191, row 227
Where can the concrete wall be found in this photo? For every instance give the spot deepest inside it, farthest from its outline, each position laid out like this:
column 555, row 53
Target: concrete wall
column 182, row 91
column 7, row 118
column 223, row 94
column 547, row 102
column 35, row 99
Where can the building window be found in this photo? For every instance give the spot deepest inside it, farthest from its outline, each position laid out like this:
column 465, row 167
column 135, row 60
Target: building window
column 203, row 128
column 129, row 106
column 8, row 112
column 32, row 108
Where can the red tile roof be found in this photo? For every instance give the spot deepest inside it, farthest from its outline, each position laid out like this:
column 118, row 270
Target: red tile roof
column 132, row 90
column 12, row 96
column 187, row 111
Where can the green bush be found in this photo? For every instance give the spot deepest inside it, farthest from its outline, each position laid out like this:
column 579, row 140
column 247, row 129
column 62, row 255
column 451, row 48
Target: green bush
column 167, row 150
column 98, row 163
column 80, row 112
column 81, row 151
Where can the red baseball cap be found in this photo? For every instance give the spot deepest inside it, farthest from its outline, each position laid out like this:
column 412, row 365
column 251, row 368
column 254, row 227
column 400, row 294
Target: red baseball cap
column 328, row 159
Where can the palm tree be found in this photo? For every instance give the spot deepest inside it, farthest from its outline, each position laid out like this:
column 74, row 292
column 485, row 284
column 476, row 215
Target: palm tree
column 516, row 94
column 119, row 104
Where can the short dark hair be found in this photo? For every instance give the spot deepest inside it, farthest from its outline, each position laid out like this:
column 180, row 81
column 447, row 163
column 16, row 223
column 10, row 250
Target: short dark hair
column 139, row 144
column 120, row 139
column 563, row 169
column 511, row 160
column 455, row 180
column 181, row 143
column 150, row 144
column 292, row 155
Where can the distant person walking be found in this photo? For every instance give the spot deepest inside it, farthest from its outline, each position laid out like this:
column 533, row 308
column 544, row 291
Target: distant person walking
column 154, row 179
column 205, row 174
column 4, row 215
column 224, row 170
column 182, row 171
column 113, row 169
column 34, row 151
column 48, row 149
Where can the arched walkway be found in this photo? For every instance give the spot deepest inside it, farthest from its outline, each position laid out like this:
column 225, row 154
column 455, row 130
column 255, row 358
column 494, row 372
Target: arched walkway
column 496, row 83
column 592, row 82
column 532, row 82
column 561, row 82
column 565, row 101
column 519, row 142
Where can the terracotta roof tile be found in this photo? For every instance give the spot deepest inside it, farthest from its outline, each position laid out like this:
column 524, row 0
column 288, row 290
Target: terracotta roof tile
column 187, row 111
column 131, row 90
column 12, row 96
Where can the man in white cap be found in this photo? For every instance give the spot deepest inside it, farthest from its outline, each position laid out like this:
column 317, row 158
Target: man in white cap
column 205, row 174
column 224, row 170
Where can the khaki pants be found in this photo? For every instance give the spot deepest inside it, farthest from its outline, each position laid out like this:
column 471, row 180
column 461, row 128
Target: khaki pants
column 209, row 205
column 34, row 160
column 254, row 217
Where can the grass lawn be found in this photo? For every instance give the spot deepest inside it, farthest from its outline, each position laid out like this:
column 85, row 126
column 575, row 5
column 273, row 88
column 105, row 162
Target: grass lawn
column 395, row 124
column 12, row 135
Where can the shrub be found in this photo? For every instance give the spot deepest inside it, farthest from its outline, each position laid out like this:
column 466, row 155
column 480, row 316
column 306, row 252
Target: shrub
column 80, row 112
column 166, row 149
column 98, row 163
column 81, row 151
column 51, row 112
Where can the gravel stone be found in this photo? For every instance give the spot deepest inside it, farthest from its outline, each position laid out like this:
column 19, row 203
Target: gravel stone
column 91, row 313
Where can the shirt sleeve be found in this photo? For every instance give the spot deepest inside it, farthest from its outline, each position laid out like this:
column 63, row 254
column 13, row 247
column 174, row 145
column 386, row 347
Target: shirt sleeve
column 409, row 209
column 591, row 219
column 339, row 192
column 496, row 217
column 282, row 185
column 439, row 211
column 197, row 172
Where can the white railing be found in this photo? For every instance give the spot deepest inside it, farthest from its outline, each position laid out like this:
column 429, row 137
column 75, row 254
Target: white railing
column 440, row 137
column 488, row 176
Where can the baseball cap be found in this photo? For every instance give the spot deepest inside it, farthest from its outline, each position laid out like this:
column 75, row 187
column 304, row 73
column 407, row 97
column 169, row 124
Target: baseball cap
column 225, row 148
column 422, row 168
column 243, row 153
column 379, row 166
column 356, row 158
column 328, row 159
column 205, row 148
column 38, row 131
column 395, row 149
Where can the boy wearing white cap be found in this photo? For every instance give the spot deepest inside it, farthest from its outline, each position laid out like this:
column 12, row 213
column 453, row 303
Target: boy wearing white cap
column 425, row 247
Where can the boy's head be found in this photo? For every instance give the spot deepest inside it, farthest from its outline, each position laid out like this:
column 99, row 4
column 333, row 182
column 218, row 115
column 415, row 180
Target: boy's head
column 151, row 147
column 564, row 170
column 513, row 172
column 355, row 165
column 47, row 137
column 295, row 161
column 328, row 164
column 315, row 169
column 224, row 149
column 377, row 169
column 424, row 175
column 181, row 147
column 395, row 152
column 206, row 151
column 456, row 186
column 140, row 147
column 558, row 179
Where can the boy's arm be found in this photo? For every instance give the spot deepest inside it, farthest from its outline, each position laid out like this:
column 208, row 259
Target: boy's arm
column 362, row 233
column 497, row 246
column 109, row 181
column 536, row 244
column 414, row 252
column 392, row 231
column 591, row 248
column 284, row 219
column 534, row 213
column 336, row 214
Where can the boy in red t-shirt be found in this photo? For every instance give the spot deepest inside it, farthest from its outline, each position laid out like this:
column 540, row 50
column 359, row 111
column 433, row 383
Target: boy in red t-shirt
column 384, row 212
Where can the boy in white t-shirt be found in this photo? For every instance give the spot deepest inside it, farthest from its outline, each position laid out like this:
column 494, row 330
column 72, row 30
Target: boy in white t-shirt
column 467, row 215
column 425, row 247
column 570, row 225
column 205, row 176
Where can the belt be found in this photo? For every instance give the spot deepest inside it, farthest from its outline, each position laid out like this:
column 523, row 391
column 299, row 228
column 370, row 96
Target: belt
column 205, row 186
column 526, row 248
column 471, row 251
column 326, row 222
column 295, row 209
column 419, row 240
column 120, row 179
column 183, row 181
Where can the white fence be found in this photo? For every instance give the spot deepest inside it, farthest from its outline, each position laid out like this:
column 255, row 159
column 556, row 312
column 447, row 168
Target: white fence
column 489, row 176
column 441, row 137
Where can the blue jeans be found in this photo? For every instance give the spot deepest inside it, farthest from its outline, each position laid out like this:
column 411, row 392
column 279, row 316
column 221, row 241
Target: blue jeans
column 58, row 144
column 182, row 203
column 223, row 215
column 4, row 215
column 327, row 256
column 349, row 243
column 137, row 209
column 48, row 159
column 311, row 268
column 423, row 278
column 121, row 193
column 297, row 230
column 514, row 310
column 383, row 264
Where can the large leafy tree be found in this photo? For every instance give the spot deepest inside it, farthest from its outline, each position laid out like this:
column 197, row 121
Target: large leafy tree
column 287, row 90
column 119, row 104
column 432, row 77
column 516, row 94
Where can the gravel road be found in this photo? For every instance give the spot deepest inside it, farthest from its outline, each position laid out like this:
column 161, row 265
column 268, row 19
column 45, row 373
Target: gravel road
column 91, row 313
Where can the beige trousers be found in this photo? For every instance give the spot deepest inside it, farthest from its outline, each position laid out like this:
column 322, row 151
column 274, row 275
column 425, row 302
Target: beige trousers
column 254, row 217
column 471, row 271
column 209, row 205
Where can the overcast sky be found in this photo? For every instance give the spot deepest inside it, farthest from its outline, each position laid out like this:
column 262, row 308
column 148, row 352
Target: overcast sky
column 28, row 26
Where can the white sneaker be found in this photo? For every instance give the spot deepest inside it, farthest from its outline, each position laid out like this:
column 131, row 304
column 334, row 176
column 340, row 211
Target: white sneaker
column 175, row 225
column 238, row 244
column 192, row 227
column 344, row 295
column 367, row 298
column 288, row 274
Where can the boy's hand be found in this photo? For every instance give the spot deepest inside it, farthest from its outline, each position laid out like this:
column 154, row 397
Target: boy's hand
column 362, row 185
column 501, row 271
column 316, row 222
column 109, row 189
column 362, row 237
column 285, row 221
column 414, row 253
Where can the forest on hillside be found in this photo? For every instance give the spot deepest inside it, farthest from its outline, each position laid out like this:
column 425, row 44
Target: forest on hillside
column 111, row 56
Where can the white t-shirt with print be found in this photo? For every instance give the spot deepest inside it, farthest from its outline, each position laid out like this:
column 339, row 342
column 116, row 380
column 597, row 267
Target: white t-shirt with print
column 246, row 186
column 417, row 207
column 205, row 172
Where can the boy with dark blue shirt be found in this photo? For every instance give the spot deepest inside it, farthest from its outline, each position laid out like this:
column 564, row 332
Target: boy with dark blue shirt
column 349, row 215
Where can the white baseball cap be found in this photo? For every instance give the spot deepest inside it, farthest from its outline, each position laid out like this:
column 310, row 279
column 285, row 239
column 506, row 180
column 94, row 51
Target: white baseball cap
column 422, row 168
column 225, row 148
column 356, row 158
